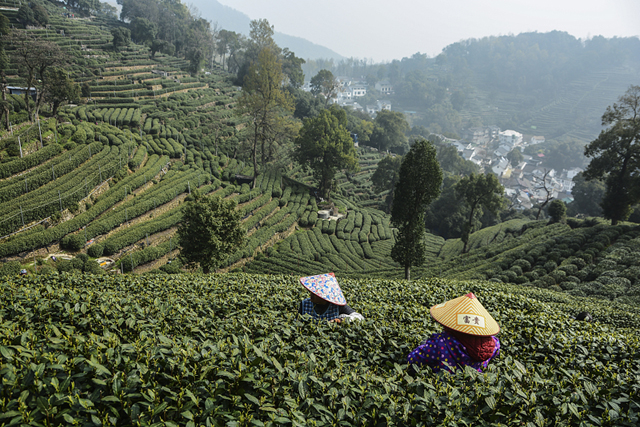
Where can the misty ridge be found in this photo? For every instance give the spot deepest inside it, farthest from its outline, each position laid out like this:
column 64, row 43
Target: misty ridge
column 551, row 84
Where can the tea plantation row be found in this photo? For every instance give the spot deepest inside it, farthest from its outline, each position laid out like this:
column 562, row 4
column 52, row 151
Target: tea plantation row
column 230, row 350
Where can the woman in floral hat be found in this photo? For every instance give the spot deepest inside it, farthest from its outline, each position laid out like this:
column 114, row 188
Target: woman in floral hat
column 468, row 337
column 326, row 300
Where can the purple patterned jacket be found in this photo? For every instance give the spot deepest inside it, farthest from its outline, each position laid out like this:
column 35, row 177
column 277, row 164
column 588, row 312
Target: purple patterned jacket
column 443, row 351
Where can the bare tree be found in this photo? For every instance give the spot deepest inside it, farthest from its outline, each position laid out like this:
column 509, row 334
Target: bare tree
column 35, row 56
column 214, row 29
column 548, row 198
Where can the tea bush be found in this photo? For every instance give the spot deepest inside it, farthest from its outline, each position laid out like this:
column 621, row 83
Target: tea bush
column 231, row 350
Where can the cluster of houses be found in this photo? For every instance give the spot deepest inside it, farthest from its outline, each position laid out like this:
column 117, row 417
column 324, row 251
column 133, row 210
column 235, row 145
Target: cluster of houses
column 526, row 183
column 351, row 91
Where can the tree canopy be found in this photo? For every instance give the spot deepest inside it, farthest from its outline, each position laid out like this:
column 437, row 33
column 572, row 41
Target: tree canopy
column 615, row 156
column 419, row 182
column 389, row 131
column 172, row 24
column 266, row 103
column 479, row 192
column 386, row 176
column 587, row 196
column 210, row 231
column 325, row 84
column 35, row 56
column 121, row 37
column 59, row 88
column 325, row 145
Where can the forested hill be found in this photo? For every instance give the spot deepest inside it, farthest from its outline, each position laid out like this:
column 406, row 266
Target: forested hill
column 550, row 84
column 537, row 62
column 232, row 20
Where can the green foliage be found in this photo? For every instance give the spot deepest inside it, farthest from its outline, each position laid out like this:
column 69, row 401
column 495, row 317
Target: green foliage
column 557, row 210
column 121, row 37
column 418, row 185
column 325, row 84
column 479, row 192
column 324, row 145
column 95, row 250
column 210, row 230
column 389, row 131
column 73, row 242
column 156, row 323
column 614, row 156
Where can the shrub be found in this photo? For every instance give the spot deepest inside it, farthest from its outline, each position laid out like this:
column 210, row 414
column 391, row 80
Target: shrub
column 517, row 270
column 558, row 275
column 510, row 275
column 569, row 268
column 95, row 250
column 80, row 136
column 10, row 268
column 549, row 266
column 72, row 242
column 524, row 264
column 578, row 262
column 92, row 267
column 64, row 265
column 77, row 264
column 547, row 281
column 46, row 270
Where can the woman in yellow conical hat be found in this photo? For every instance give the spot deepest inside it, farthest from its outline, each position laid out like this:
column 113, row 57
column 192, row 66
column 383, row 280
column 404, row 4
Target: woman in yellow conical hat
column 468, row 338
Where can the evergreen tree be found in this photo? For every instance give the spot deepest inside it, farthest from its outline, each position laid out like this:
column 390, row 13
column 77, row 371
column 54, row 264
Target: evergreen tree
column 418, row 185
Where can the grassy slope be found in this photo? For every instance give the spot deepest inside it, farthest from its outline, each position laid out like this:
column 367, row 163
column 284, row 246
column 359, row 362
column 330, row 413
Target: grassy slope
column 515, row 252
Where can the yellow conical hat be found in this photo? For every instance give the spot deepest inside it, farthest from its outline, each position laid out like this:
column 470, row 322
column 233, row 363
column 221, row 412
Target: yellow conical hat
column 465, row 314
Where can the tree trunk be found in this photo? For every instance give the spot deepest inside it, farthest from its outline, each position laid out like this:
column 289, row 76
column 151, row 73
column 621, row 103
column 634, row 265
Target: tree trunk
column 255, row 155
column 4, row 98
column 407, row 272
column 26, row 102
column 55, row 106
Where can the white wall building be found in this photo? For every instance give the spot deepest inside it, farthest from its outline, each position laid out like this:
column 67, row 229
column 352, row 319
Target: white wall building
column 384, row 86
column 510, row 137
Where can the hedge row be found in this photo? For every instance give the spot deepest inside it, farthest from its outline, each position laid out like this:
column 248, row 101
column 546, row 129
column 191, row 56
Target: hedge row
column 48, row 173
column 19, row 165
column 143, row 256
column 25, row 134
column 66, row 191
column 138, row 157
column 261, row 213
column 131, row 235
column 39, row 237
column 254, row 204
column 172, row 184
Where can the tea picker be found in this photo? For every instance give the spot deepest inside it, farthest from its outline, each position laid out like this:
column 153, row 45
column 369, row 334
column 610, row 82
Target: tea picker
column 468, row 337
column 326, row 300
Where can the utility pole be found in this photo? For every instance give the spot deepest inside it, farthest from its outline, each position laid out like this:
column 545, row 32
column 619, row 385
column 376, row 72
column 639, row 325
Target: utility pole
column 40, row 132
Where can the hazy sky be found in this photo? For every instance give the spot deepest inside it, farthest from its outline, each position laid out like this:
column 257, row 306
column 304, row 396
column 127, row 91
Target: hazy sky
column 391, row 29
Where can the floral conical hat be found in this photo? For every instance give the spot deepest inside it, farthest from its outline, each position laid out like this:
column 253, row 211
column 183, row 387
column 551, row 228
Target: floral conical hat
column 326, row 287
column 465, row 314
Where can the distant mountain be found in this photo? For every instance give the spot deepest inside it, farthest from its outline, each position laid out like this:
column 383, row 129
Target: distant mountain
column 233, row 20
